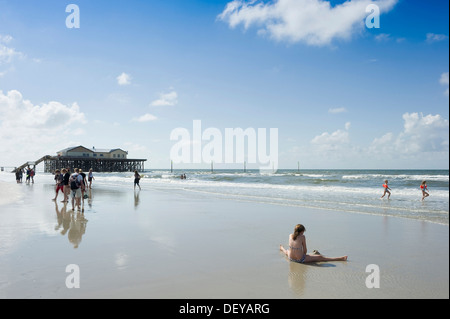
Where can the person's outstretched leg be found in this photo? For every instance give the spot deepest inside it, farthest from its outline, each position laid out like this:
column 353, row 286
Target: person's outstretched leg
column 319, row 258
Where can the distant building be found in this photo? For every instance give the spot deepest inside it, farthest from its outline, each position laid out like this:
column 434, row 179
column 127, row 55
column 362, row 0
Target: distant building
column 81, row 151
column 100, row 160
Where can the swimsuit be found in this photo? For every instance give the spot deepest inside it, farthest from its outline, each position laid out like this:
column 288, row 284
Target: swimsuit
column 301, row 260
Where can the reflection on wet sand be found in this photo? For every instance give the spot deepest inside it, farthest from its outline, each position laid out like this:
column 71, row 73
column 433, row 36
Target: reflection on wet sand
column 298, row 275
column 296, row 278
column 72, row 223
column 136, row 198
column 89, row 200
column 77, row 228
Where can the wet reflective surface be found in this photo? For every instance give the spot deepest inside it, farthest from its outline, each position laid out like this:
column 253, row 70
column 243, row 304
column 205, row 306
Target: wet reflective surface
column 172, row 243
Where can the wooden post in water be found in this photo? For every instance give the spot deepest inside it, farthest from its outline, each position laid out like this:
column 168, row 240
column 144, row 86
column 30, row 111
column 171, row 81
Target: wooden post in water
column 212, row 168
column 171, row 166
column 245, row 166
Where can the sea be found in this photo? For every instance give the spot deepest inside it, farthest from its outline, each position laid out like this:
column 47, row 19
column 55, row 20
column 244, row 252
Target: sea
column 354, row 191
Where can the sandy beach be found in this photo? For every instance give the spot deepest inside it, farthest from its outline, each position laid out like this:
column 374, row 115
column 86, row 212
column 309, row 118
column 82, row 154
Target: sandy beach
column 174, row 243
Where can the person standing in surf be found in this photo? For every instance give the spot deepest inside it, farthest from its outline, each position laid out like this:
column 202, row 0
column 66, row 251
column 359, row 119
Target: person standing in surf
column 424, row 189
column 386, row 189
column 137, row 177
column 90, row 178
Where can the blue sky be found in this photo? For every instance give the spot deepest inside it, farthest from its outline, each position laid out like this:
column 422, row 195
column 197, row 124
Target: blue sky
column 340, row 94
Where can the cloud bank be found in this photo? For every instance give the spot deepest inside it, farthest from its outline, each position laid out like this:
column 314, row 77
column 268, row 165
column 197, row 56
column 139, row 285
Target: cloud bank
column 27, row 130
column 314, row 22
column 422, row 142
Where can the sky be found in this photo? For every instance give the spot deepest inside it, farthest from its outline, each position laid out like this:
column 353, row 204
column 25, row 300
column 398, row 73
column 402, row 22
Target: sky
column 341, row 91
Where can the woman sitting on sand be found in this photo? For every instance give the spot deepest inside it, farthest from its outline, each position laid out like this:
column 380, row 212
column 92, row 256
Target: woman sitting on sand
column 297, row 249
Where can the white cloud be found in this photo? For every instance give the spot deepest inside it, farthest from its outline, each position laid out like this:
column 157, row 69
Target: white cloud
column 337, row 110
column 347, row 126
column 382, row 37
column 433, row 37
column 5, row 39
column 124, row 79
column 145, row 118
column 422, row 142
column 444, row 81
column 421, row 135
column 386, row 37
column 314, row 22
column 27, row 130
column 332, row 142
column 7, row 54
column 166, row 99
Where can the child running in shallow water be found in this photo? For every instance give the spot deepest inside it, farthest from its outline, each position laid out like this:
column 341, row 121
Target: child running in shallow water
column 297, row 251
column 424, row 189
column 386, row 189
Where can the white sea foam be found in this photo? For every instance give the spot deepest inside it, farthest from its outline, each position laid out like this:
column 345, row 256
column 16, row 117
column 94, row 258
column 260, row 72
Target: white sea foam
column 355, row 191
column 443, row 178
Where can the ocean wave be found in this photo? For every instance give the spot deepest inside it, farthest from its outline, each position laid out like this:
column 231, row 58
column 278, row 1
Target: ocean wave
column 443, row 178
column 359, row 192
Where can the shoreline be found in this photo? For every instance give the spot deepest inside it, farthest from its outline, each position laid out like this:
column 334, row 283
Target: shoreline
column 239, row 199
column 169, row 243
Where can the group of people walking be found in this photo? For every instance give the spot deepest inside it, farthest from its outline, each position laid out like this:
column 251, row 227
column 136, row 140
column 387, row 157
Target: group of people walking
column 423, row 188
column 29, row 172
column 74, row 184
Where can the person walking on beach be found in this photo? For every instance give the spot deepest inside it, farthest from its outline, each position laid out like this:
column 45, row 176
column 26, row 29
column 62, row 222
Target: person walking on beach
column 75, row 186
column 32, row 173
column 66, row 186
column 424, row 189
column 59, row 179
column 297, row 251
column 386, row 189
column 28, row 172
column 137, row 177
column 90, row 178
column 83, row 182
column 17, row 175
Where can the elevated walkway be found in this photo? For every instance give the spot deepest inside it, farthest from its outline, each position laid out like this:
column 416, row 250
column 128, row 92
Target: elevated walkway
column 43, row 158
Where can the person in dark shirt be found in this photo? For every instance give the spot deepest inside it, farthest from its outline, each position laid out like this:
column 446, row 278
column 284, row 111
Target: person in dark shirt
column 66, row 178
column 83, row 183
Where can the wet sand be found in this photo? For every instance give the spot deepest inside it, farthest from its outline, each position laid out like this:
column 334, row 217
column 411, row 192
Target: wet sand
column 179, row 244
